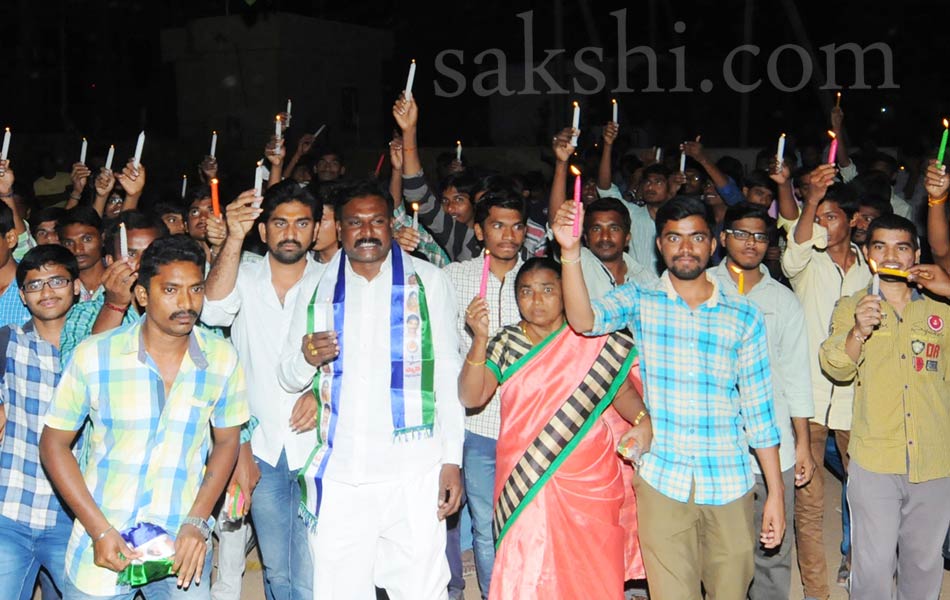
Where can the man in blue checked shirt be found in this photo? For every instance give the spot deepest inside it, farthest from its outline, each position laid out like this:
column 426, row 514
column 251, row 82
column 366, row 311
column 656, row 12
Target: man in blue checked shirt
column 34, row 527
column 708, row 388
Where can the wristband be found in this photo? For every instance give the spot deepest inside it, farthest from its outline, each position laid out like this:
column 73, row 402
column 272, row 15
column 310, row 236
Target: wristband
column 103, row 534
column 858, row 336
column 567, row 261
column 404, row 148
column 198, row 523
column 936, row 201
column 115, row 307
column 642, row 415
column 475, row 364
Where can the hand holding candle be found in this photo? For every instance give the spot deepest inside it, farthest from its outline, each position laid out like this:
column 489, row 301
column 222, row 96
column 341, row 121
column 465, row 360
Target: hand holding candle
column 215, row 199
column 940, row 152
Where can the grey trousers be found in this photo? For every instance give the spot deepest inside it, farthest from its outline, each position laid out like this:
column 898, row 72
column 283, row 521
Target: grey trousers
column 890, row 514
column 773, row 568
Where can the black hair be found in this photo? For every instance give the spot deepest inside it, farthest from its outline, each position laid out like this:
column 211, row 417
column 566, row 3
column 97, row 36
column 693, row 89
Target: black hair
column 537, row 263
column 80, row 215
column 844, row 196
column 6, row 219
column 881, row 205
column 464, row 183
column 46, row 254
column 496, row 183
column 873, row 183
column 359, row 189
column 50, row 213
column 759, row 178
column 500, row 199
column 656, row 169
column 166, row 250
column 746, row 210
column 289, row 191
column 133, row 219
column 195, row 194
column 327, row 151
column 692, row 163
column 885, row 158
column 895, row 223
column 608, row 204
column 682, row 207
column 160, row 209
column 731, row 166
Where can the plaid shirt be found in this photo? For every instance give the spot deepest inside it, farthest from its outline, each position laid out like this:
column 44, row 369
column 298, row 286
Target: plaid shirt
column 30, row 371
column 466, row 277
column 79, row 321
column 707, row 384
column 12, row 310
column 427, row 244
column 147, row 452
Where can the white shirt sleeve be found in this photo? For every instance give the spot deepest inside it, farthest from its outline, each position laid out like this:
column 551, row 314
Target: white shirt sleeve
column 295, row 373
column 441, row 302
column 221, row 313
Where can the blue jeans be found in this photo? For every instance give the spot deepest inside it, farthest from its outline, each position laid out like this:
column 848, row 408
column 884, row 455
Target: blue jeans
column 281, row 534
column 478, row 465
column 837, row 467
column 163, row 589
column 453, row 552
column 23, row 550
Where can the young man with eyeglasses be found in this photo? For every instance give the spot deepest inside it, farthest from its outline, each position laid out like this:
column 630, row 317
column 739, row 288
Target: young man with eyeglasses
column 747, row 229
column 34, row 527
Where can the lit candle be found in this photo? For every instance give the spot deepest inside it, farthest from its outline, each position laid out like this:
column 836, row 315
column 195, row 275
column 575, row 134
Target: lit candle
column 319, row 131
column 415, row 215
column 741, row 275
column 409, row 80
column 893, row 272
column 215, row 201
column 614, row 102
column 214, row 143
column 258, row 181
column 184, row 186
column 659, row 154
column 379, row 163
column 82, row 151
column 486, row 269
column 5, row 150
column 780, row 152
column 940, row 152
column 576, row 122
column 109, row 157
column 576, row 230
column 123, row 241
column 838, row 100
column 833, row 150
column 139, row 146
column 458, row 150
column 277, row 130
column 682, row 161
column 876, row 279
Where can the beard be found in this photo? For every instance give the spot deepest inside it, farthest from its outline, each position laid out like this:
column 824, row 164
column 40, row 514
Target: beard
column 288, row 255
column 688, row 273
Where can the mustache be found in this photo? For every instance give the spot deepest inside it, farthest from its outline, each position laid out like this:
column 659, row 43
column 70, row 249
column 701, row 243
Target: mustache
column 183, row 313
column 375, row 241
column 294, row 242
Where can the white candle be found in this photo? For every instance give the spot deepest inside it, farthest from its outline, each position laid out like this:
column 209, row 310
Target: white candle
column 138, row 150
column 109, row 157
column 82, row 151
column 319, row 131
column 409, row 80
column 682, row 162
column 614, row 102
column 575, row 122
column 289, row 105
column 123, row 241
column 6, row 144
column 258, row 180
column 876, row 285
column 415, row 215
column 277, row 131
column 184, row 186
column 659, row 154
column 780, row 152
column 214, row 143
column 458, row 150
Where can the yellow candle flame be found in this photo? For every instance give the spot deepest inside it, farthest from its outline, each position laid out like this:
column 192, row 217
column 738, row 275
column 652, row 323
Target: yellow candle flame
column 575, row 105
column 613, row 100
column 575, row 170
column 259, row 163
column 946, row 125
column 832, row 134
column 487, row 252
column 278, row 118
column 783, row 134
column 415, row 206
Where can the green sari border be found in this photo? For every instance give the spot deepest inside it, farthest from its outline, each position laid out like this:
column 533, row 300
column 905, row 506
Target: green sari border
column 572, row 445
column 510, row 371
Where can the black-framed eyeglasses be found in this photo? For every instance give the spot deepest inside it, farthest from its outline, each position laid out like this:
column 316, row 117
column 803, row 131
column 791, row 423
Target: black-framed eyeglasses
column 55, row 283
column 742, row 235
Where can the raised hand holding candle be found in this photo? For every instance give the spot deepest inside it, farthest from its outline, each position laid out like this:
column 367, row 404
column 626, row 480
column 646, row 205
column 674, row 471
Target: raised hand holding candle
column 184, row 186
column 940, row 152
column 614, row 103
column 123, row 241
column 833, row 150
column 82, row 151
column 576, row 230
column 139, row 146
column 576, row 122
column 415, row 215
column 215, row 200
column 214, row 143
column 410, row 79
column 458, row 150
column 486, row 269
column 109, row 157
column 5, row 150
column 780, row 152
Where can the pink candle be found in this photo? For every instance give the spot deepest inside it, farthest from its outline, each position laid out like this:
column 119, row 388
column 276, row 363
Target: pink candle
column 833, row 150
column 379, row 163
column 577, row 201
column 486, row 269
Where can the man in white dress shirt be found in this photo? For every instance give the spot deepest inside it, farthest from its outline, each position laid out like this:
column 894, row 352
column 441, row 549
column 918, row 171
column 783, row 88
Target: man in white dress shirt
column 385, row 471
column 256, row 299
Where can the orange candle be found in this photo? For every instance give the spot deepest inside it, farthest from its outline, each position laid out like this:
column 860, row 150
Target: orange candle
column 215, row 201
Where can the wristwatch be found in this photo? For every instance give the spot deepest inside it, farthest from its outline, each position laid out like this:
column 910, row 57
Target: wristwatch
column 201, row 524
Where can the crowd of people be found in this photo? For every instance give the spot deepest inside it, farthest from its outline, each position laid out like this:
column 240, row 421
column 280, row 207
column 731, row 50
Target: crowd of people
column 628, row 391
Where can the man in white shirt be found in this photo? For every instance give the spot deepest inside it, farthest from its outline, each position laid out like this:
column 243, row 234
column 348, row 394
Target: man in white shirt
column 256, row 299
column 385, row 472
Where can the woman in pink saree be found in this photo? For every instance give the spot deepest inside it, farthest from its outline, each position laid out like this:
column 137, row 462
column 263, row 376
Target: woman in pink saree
column 564, row 523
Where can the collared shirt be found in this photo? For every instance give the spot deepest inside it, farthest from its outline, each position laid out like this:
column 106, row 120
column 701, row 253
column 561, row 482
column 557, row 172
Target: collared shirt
column 147, row 451
column 79, row 322
column 788, row 353
column 600, row 280
column 902, row 400
column 259, row 325
column 364, row 449
column 707, row 384
column 819, row 283
column 12, row 309
column 30, row 370
column 503, row 310
column 89, row 295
